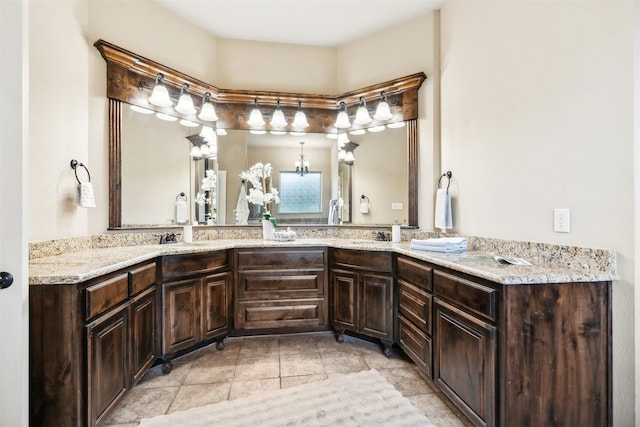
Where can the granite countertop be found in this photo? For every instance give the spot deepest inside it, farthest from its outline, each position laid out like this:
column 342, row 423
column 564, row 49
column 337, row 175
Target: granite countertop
column 76, row 267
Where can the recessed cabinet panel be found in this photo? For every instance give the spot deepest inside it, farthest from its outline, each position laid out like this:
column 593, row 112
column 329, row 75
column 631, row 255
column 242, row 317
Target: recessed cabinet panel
column 344, row 288
column 143, row 334
column 194, row 264
column 269, row 284
column 106, row 294
column 415, row 304
column 375, row 309
column 142, row 278
column 215, row 304
column 414, row 272
column 416, row 344
column 181, row 314
column 106, row 363
column 480, row 299
column 281, row 314
column 250, row 259
column 465, row 362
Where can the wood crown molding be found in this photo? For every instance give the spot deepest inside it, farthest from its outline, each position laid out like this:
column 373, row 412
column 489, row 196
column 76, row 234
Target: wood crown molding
column 131, row 76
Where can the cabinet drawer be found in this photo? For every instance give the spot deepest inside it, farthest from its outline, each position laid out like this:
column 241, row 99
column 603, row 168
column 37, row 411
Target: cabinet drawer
column 414, row 272
column 194, row 264
column 104, row 295
column 251, row 259
column 415, row 304
column 281, row 314
column 279, row 284
column 142, row 278
column 472, row 296
column 416, row 344
column 362, row 260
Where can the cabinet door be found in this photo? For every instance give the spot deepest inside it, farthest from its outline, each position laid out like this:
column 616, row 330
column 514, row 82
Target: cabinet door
column 216, row 305
column 376, row 308
column 465, row 362
column 143, row 333
column 106, row 362
column 181, row 320
column 344, row 289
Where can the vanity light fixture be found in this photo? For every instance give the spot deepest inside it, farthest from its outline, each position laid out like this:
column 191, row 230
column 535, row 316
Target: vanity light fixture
column 349, row 157
column 255, row 118
column 395, row 125
column 207, row 111
column 278, row 121
column 342, row 120
column 302, row 166
column 342, row 139
column 362, row 115
column 166, row 117
column 195, row 151
column 300, row 119
column 185, row 103
column 188, row 123
column 376, row 128
column 160, row 95
column 141, row 109
column 342, row 154
column 383, row 112
column 208, row 134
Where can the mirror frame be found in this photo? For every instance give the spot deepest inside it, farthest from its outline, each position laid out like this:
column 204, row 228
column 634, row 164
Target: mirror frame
column 130, row 77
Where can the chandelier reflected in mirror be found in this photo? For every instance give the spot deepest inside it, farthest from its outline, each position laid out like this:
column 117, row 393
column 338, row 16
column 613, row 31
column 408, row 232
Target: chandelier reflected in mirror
column 302, row 165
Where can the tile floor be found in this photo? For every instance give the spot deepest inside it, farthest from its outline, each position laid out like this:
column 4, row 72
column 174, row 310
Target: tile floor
column 260, row 364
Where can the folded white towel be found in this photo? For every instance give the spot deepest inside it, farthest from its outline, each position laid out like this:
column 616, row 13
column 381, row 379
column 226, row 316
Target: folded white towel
column 86, row 196
column 443, row 217
column 444, row 249
column 441, row 241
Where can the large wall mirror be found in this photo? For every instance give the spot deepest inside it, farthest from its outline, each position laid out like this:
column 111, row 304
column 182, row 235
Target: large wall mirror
column 153, row 170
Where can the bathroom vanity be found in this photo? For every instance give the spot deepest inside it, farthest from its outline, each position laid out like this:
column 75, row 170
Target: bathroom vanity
column 508, row 345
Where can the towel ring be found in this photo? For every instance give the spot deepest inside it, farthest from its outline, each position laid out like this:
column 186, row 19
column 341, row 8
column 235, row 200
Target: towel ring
column 364, row 199
column 448, row 174
column 75, row 165
column 181, row 196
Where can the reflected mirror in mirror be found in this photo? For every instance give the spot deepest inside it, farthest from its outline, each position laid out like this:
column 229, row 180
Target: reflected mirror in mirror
column 156, row 167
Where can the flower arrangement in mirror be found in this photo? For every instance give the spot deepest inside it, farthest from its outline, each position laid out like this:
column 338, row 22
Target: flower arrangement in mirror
column 209, row 188
column 263, row 192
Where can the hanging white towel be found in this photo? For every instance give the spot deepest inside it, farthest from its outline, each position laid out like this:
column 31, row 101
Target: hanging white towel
column 443, row 217
column 181, row 211
column 86, row 196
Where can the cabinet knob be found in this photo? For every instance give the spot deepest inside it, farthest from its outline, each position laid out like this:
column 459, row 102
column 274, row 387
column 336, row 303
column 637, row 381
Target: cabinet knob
column 6, row 280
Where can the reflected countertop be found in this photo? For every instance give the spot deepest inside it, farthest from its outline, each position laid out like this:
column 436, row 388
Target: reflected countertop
column 77, row 267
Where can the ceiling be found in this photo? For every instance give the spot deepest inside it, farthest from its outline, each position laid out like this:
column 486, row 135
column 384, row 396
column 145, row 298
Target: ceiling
column 306, row 22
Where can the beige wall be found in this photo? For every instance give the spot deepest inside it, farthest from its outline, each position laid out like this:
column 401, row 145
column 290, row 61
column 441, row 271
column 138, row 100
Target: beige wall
column 537, row 114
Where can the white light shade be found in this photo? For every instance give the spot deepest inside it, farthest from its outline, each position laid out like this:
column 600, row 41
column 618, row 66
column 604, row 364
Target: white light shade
column 395, row 125
column 257, row 131
column 342, row 121
column 278, row 120
column 212, row 138
column 342, row 155
column 188, row 123
column 376, row 128
column 185, row 104
column 208, row 112
column 160, row 96
column 204, row 149
column 298, row 133
column 166, row 117
column 207, row 132
column 342, row 139
column 382, row 112
column 278, row 132
column 141, row 109
column 358, row 132
column 362, row 116
column 349, row 157
column 300, row 120
column 255, row 118
column 195, row 151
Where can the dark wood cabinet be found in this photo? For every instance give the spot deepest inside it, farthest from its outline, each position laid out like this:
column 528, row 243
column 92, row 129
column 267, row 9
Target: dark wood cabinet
column 465, row 362
column 107, row 353
column 362, row 294
column 90, row 342
column 196, row 301
column 281, row 288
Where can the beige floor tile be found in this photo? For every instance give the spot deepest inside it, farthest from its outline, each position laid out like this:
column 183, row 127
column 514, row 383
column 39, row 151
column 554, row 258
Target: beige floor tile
column 286, row 382
column 260, row 346
column 247, row 388
column 230, row 351
column 343, row 362
column 192, row 396
column 211, row 371
column 142, row 403
column 256, row 368
column 432, row 406
column 297, row 344
column 328, row 343
column 406, row 381
column 292, row 365
column 377, row 360
column 155, row 378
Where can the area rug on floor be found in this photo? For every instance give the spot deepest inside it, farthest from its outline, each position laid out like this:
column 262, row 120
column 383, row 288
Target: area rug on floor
column 359, row 399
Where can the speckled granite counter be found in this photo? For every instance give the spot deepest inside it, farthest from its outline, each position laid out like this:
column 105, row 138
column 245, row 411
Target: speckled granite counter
column 551, row 264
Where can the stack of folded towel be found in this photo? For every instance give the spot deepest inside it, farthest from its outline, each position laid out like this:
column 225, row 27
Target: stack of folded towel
column 442, row 244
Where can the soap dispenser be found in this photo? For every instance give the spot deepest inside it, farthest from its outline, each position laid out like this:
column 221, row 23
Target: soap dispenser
column 395, row 232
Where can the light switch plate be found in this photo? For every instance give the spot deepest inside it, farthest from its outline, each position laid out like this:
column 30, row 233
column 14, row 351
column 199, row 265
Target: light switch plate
column 396, row 206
